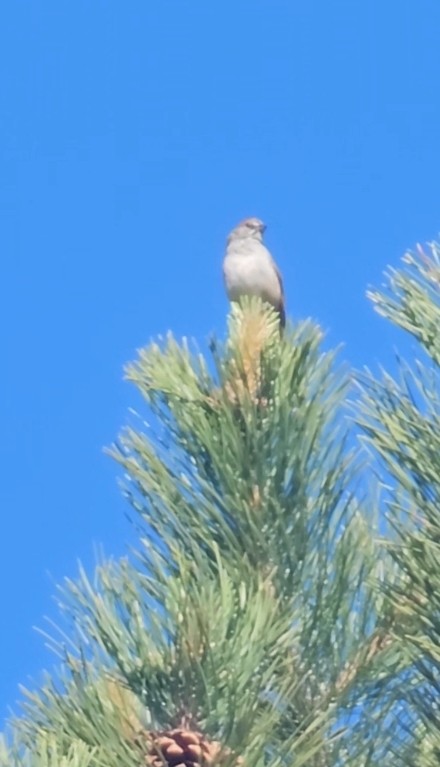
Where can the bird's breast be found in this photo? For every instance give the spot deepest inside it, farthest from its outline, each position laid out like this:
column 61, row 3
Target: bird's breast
column 248, row 275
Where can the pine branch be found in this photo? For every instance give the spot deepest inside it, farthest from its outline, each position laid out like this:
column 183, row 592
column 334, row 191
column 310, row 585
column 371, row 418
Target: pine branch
column 401, row 421
column 247, row 616
column 411, row 298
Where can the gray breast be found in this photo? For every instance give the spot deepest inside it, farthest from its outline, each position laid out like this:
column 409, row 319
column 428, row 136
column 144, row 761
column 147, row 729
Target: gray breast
column 252, row 275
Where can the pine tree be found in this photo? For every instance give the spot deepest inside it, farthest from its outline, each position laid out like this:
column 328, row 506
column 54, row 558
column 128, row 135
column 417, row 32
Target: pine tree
column 401, row 419
column 248, row 626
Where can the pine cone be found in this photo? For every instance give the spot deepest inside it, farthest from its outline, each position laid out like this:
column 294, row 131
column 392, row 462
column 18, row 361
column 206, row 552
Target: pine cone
column 184, row 748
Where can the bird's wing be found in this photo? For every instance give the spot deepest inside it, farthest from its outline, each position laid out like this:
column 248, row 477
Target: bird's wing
column 282, row 304
column 280, row 279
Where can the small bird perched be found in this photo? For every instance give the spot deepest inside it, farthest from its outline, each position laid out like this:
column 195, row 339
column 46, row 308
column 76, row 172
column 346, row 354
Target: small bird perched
column 249, row 269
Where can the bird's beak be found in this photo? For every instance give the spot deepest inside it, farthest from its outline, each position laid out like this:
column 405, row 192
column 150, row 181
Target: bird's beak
column 263, row 228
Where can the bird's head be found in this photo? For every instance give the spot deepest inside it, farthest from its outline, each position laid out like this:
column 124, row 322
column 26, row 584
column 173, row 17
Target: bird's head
column 249, row 228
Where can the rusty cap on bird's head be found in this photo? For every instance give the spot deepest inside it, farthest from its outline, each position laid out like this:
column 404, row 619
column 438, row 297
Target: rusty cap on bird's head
column 249, row 227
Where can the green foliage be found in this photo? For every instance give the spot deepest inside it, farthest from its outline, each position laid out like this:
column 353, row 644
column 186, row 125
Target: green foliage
column 412, row 298
column 46, row 752
column 249, row 609
column 401, row 421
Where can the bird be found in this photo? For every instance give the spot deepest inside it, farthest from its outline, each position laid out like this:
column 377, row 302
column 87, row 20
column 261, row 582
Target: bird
column 249, row 269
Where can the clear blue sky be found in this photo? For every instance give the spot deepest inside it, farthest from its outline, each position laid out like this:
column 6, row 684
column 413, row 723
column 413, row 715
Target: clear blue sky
column 133, row 135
